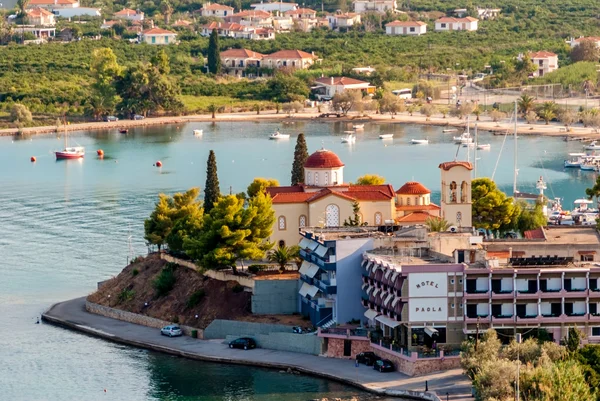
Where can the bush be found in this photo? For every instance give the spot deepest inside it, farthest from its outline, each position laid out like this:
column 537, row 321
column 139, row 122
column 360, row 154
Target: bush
column 126, row 295
column 176, row 319
column 20, row 114
column 255, row 268
column 135, row 272
column 195, row 298
column 165, row 281
column 237, row 288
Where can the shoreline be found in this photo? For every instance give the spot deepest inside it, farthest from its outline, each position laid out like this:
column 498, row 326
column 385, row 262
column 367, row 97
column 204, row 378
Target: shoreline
column 485, row 123
column 72, row 315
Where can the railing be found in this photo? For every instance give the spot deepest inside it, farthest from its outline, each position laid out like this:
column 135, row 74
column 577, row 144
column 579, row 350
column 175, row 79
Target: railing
column 346, row 332
column 324, row 320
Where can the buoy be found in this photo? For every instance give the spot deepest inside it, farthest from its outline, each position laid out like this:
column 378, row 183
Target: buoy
column 100, row 152
column 159, row 164
column 33, row 159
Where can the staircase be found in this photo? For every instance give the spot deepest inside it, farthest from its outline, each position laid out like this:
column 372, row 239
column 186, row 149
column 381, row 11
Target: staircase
column 328, row 324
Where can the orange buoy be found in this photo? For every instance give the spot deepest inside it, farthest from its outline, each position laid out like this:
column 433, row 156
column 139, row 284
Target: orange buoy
column 100, row 152
column 159, row 164
column 33, row 159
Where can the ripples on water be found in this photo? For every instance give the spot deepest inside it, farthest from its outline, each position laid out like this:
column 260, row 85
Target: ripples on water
column 66, row 227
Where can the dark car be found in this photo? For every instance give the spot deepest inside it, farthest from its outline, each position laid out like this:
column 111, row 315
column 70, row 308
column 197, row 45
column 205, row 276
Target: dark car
column 368, row 358
column 243, row 343
column 384, row 365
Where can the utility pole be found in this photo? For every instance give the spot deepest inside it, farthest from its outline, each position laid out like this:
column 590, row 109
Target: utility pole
column 477, row 335
column 518, row 340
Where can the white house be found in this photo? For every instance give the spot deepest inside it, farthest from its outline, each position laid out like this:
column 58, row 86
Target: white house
column 380, row 6
column 158, row 36
column 289, row 58
column 53, row 4
column 346, row 20
column 77, row 12
column 456, row 24
column 575, row 42
column 257, row 18
column 129, row 14
column 406, row 28
column 302, row 13
column 238, row 31
column 40, row 17
column 275, row 6
column 544, row 61
column 216, row 10
column 326, row 88
column 482, row 13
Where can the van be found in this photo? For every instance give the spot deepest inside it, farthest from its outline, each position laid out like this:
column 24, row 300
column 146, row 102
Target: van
column 405, row 93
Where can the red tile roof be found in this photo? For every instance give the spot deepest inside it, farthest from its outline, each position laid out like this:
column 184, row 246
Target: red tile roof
column 241, row 53
column 215, row 6
column 408, row 208
column 326, row 192
column 300, row 11
column 448, row 165
column 541, row 54
column 231, row 26
column 538, row 233
column 182, row 22
column 322, row 158
column 416, row 217
column 294, row 197
column 291, row 54
column 386, row 189
column 406, row 23
column 126, row 11
column 251, row 13
column 413, row 188
column 591, row 38
column 289, row 189
column 452, row 19
column 158, row 31
column 39, row 12
column 340, row 81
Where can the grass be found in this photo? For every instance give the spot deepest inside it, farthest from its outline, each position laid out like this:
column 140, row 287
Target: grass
column 201, row 103
column 393, row 85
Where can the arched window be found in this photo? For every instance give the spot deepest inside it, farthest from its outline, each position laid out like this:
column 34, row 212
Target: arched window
column 281, row 223
column 316, row 178
column 326, row 178
column 416, row 200
column 463, row 192
column 281, row 243
column 453, row 192
column 309, row 178
column 378, row 219
column 332, row 213
column 400, row 201
column 302, row 221
column 408, row 201
column 335, row 178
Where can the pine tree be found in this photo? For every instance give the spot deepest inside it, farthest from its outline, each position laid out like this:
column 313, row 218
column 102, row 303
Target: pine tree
column 300, row 156
column 212, row 193
column 214, row 53
column 354, row 220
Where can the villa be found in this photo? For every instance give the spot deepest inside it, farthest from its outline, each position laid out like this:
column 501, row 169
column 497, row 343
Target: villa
column 275, row 6
column 52, row 4
column 216, row 10
column 575, row 42
column 326, row 88
column 545, row 62
column 406, row 28
column 456, row 24
column 235, row 61
column 296, row 59
column 379, row 6
column 158, row 36
column 257, row 18
column 346, row 20
column 40, row 17
column 129, row 14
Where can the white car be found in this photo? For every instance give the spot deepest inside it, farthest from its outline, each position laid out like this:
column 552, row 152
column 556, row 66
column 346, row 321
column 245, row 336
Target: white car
column 171, row 331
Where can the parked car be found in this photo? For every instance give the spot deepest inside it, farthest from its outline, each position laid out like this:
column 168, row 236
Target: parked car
column 171, row 330
column 367, row 358
column 243, row 343
column 109, row 119
column 384, row 365
column 138, row 117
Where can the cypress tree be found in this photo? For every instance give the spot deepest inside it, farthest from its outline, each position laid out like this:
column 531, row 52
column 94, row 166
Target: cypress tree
column 214, row 53
column 300, row 156
column 211, row 189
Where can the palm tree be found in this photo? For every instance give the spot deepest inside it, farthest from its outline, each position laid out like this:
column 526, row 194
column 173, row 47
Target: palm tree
column 525, row 103
column 594, row 192
column 167, row 10
column 282, row 255
column 436, row 224
column 547, row 112
column 212, row 108
column 22, row 7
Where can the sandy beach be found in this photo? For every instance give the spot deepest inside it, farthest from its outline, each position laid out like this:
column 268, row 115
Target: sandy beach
column 485, row 124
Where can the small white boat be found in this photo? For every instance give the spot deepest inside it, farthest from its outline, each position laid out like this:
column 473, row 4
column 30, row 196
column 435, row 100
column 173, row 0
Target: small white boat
column 198, row 132
column 419, row 141
column 279, row 135
column 350, row 138
column 484, row 146
column 592, row 146
column 575, row 159
column 448, row 130
column 468, row 145
column 358, row 126
column 588, row 166
column 386, row 136
column 464, row 138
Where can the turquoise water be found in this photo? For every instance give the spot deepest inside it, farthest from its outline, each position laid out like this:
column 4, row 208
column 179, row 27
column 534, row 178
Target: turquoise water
column 66, row 226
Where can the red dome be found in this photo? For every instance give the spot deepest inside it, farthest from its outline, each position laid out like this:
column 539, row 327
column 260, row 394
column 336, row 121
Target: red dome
column 323, row 159
column 413, row 188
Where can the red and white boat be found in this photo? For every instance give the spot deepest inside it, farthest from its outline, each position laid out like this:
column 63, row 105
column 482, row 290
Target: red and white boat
column 73, row 152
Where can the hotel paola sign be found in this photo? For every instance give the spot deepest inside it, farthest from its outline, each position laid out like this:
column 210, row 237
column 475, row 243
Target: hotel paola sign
column 428, row 297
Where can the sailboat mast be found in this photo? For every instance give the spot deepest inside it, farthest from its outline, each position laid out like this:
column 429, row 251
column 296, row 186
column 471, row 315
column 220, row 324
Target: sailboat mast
column 475, row 150
column 65, row 124
column 515, row 166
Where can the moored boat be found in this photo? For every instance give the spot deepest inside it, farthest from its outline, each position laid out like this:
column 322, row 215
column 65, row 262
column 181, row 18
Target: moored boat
column 198, row 132
column 279, row 135
column 484, row 146
column 592, row 146
column 575, row 160
column 449, row 130
column 419, row 141
column 464, row 138
column 123, row 130
column 386, row 136
column 350, row 138
column 69, row 152
column 358, row 126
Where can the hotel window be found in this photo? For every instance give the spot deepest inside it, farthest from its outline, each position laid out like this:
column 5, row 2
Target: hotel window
column 587, row 258
column 407, row 201
column 595, row 331
column 281, row 223
column 400, row 200
column 443, row 25
column 302, row 221
column 378, row 218
column 416, row 200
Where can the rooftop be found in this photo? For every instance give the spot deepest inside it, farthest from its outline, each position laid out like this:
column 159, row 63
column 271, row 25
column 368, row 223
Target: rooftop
column 241, row 53
column 413, row 188
column 340, row 81
column 322, row 158
column 542, row 54
column 290, row 54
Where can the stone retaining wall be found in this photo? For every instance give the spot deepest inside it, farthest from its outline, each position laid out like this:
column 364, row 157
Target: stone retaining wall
column 136, row 318
column 417, row 367
column 220, row 328
column 290, row 342
column 335, row 347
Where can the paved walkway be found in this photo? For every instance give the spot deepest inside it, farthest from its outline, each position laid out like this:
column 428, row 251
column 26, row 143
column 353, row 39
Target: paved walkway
column 73, row 315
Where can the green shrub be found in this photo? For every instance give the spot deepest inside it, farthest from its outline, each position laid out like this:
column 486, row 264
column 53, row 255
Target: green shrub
column 237, row 288
column 135, row 272
column 176, row 319
column 126, row 295
column 137, row 259
column 195, row 298
column 164, row 281
column 255, row 268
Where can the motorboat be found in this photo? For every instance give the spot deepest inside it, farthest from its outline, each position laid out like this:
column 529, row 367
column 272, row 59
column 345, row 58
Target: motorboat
column 70, row 152
column 575, row 160
column 279, row 135
column 588, row 165
column 464, row 138
column 123, row 131
column 358, row 126
column 198, row 132
column 592, row 146
column 484, row 146
column 419, row 141
column 386, row 136
column 449, row 130
column 350, row 138
column 468, row 145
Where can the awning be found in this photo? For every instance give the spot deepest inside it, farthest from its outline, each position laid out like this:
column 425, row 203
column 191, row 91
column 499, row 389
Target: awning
column 394, row 276
column 391, row 323
column 396, row 301
column 321, row 250
column 376, row 292
column 306, row 243
column 587, row 252
column 388, row 299
column 387, row 273
column 309, row 269
column 308, row 289
column 370, row 314
column 430, row 331
column 364, row 286
column 364, row 262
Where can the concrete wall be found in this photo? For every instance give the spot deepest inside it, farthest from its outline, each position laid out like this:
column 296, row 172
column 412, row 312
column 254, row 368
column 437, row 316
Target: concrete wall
column 222, row 328
column 271, row 297
column 135, row 318
column 348, row 275
column 416, row 367
column 335, row 347
column 291, row 342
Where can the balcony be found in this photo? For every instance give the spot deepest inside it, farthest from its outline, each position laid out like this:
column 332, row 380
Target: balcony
column 307, row 279
column 503, row 319
column 326, row 286
column 477, row 294
column 579, row 317
column 336, row 332
column 479, row 318
column 503, row 294
column 527, row 294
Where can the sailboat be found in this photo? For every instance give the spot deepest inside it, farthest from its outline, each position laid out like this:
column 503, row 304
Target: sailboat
column 73, row 152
